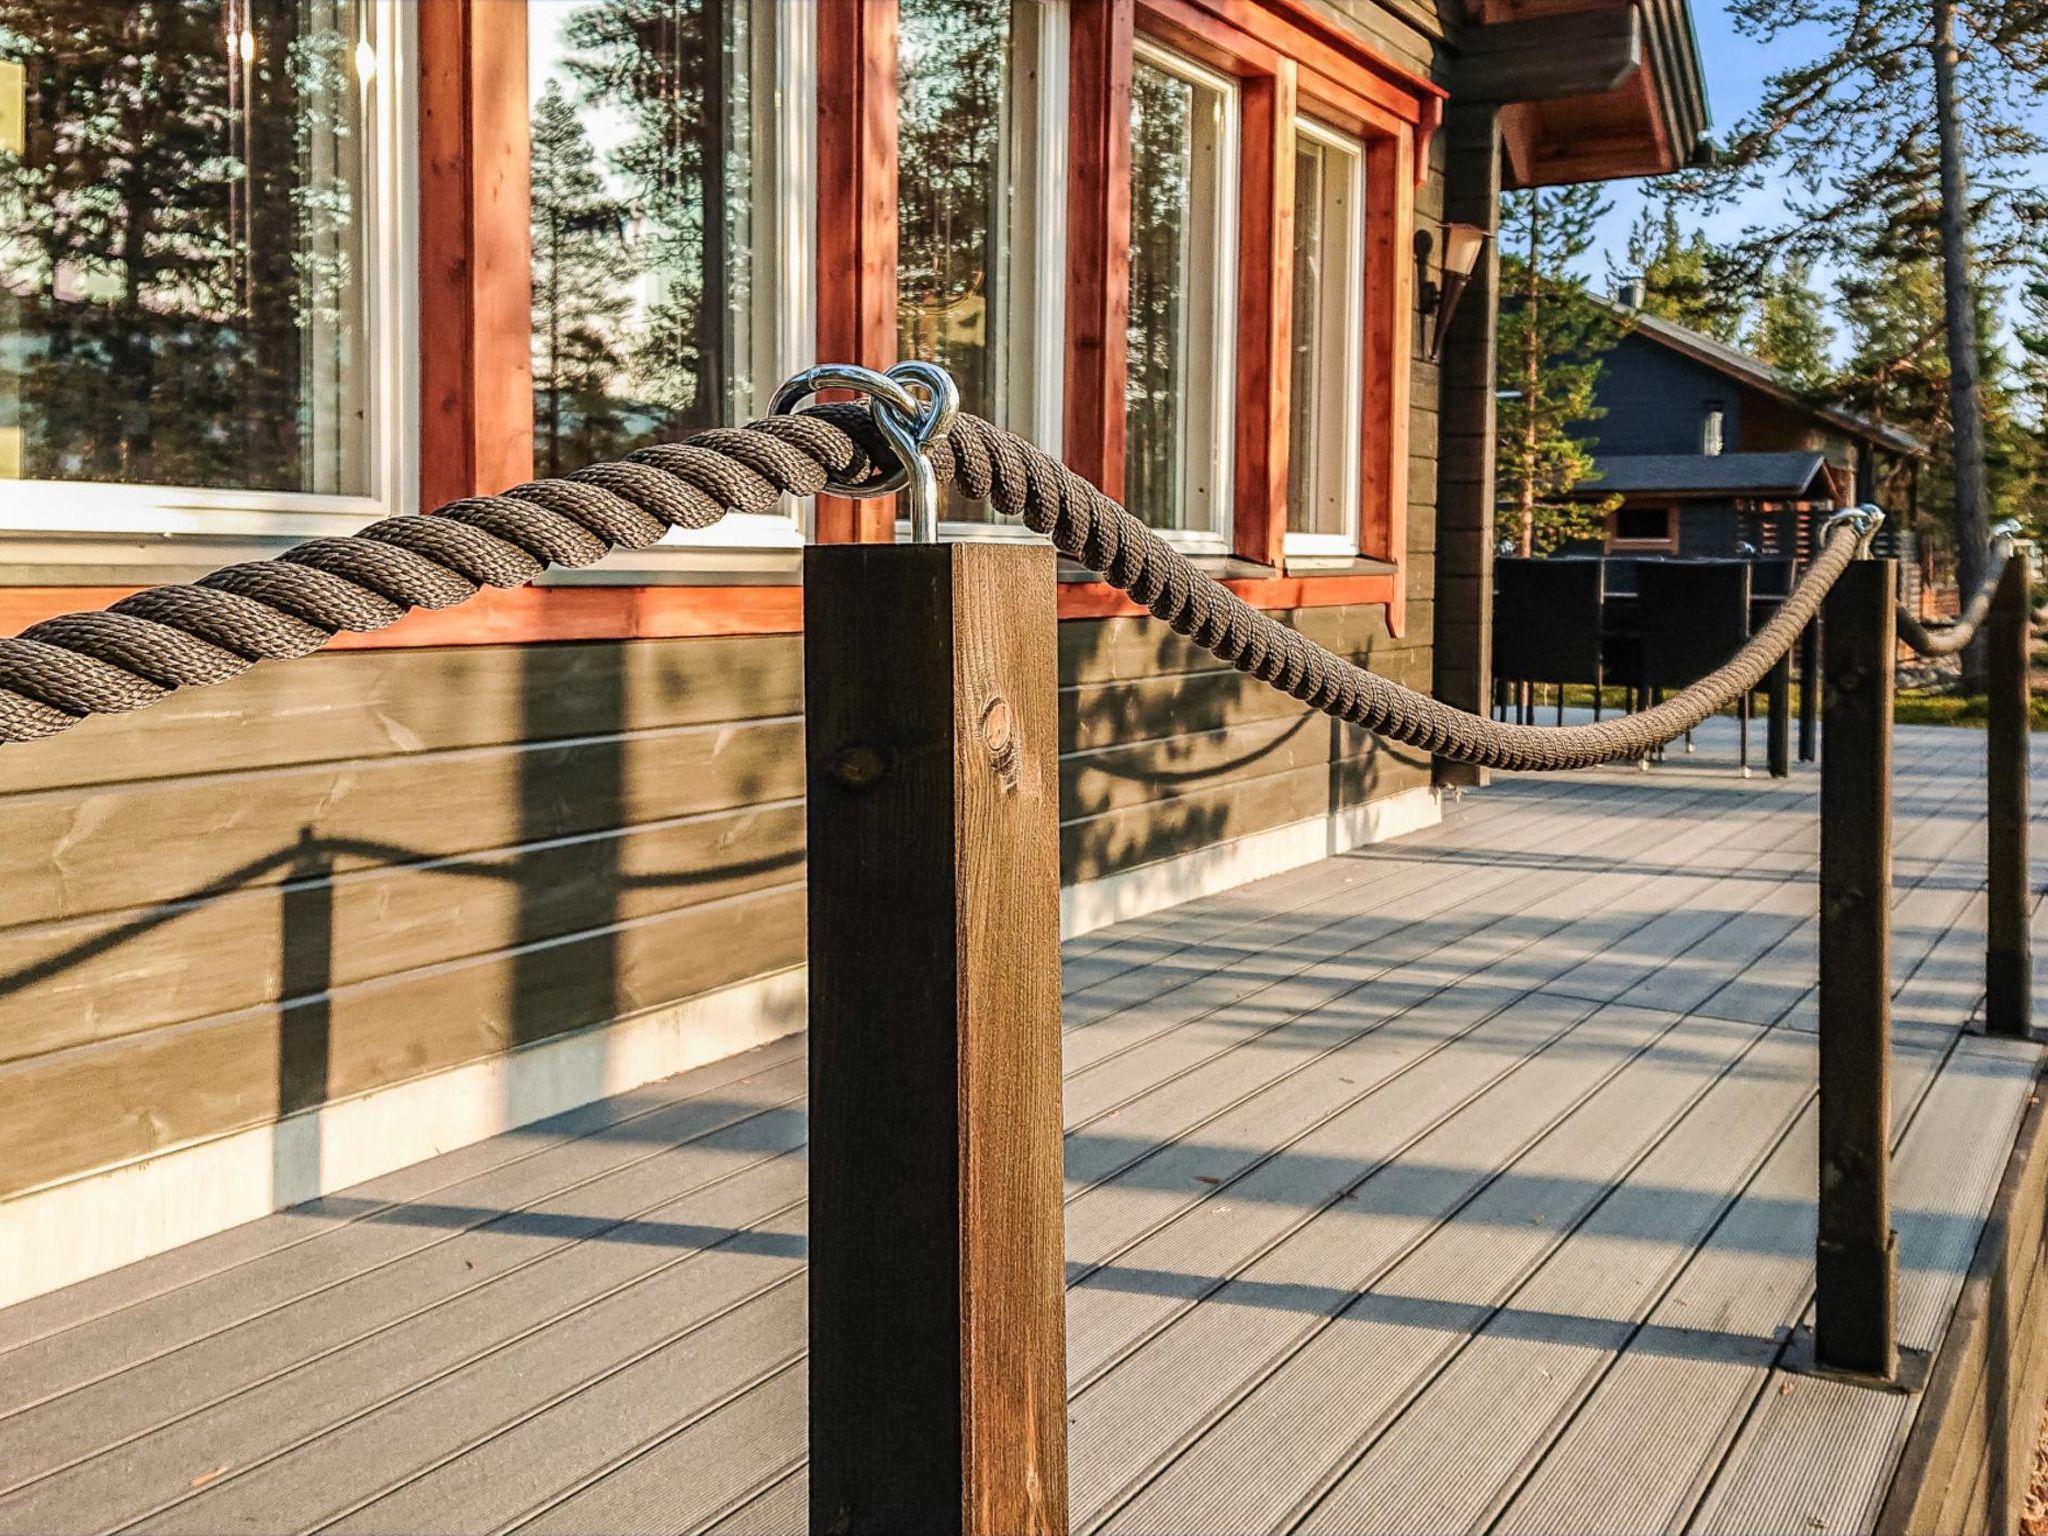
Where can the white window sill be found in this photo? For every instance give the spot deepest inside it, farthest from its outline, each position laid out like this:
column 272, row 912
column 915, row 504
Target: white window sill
column 111, row 536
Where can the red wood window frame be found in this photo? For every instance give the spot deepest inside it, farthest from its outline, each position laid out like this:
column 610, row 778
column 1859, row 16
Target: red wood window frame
column 475, row 261
column 1288, row 61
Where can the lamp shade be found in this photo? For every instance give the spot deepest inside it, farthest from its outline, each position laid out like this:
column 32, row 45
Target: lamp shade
column 1462, row 245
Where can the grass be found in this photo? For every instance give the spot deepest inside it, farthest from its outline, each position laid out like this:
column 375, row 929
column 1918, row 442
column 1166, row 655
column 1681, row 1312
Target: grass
column 1931, row 707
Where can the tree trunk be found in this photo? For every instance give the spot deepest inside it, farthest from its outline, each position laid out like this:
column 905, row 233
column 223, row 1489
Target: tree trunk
column 1959, row 304
column 1532, row 378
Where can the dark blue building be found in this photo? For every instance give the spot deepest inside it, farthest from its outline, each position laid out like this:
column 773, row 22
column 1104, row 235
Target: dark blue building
column 1711, row 449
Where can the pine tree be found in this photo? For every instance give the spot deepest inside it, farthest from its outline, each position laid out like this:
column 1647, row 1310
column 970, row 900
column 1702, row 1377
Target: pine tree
column 578, row 257
column 1848, row 133
column 1790, row 329
column 1685, row 278
column 1552, row 336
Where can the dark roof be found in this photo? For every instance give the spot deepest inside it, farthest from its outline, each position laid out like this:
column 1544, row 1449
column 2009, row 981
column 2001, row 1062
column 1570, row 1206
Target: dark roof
column 1731, row 362
column 1782, row 476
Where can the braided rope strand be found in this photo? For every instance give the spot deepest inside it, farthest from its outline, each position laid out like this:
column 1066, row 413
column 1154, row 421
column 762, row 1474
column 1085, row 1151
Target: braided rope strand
column 1955, row 637
column 66, row 668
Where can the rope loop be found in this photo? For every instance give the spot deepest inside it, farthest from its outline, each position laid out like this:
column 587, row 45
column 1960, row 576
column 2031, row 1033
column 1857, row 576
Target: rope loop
column 1955, row 636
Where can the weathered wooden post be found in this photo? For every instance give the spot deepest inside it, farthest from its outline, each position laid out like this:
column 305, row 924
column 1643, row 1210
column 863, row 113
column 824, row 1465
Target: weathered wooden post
column 1778, row 741
column 938, row 1358
column 2008, row 958
column 1855, row 1313
column 1809, row 691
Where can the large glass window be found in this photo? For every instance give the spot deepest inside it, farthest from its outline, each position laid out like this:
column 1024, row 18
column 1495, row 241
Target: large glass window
column 1178, row 391
column 980, row 238
column 187, row 228
column 666, row 140
column 1327, row 333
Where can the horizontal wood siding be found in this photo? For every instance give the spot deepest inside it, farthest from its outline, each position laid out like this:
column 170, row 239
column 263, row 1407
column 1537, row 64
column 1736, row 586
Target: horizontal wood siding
column 358, row 869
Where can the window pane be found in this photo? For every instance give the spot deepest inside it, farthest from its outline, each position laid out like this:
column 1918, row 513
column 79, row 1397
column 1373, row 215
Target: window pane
column 1323, row 424
column 1305, row 513
column 183, row 236
column 1162, row 108
column 951, row 193
column 645, row 258
column 1176, row 386
column 969, row 214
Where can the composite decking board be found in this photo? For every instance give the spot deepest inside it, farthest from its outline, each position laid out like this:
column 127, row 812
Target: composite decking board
column 780, row 1508
column 392, row 1246
column 98, row 1300
column 673, row 1396
column 1263, row 1126
column 1267, row 1456
column 1427, row 1474
column 155, row 1436
column 1815, row 1455
column 1685, row 1380
column 1345, row 889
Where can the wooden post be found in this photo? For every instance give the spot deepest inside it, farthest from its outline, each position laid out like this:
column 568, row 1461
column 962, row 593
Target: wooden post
column 2008, row 957
column 938, row 1356
column 1809, row 691
column 1778, row 730
column 1855, row 1314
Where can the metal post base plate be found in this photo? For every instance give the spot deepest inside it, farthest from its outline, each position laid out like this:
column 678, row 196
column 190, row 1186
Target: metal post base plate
column 1911, row 1376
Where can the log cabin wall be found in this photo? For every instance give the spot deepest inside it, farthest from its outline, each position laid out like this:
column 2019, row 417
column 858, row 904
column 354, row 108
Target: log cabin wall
column 268, row 939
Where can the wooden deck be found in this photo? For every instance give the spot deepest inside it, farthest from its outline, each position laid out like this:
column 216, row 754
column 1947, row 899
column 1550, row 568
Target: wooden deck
column 1460, row 1184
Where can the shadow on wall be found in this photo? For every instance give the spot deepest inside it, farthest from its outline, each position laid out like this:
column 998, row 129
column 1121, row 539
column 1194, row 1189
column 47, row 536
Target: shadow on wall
column 617, row 886
column 635, row 818
column 1165, row 750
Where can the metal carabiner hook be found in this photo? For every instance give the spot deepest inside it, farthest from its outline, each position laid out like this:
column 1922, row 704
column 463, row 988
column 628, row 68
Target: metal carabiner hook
column 1864, row 520
column 906, row 424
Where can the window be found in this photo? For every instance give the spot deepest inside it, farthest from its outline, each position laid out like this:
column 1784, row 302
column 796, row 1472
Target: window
column 1640, row 526
column 199, row 299
column 672, row 244
column 1178, row 391
column 981, row 237
column 1711, row 428
column 1327, row 336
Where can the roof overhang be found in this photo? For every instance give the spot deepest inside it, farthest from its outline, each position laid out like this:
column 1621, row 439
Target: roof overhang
column 1588, row 92
column 1717, row 477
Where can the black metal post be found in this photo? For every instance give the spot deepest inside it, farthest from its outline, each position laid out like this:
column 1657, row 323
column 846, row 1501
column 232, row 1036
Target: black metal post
column 1855, row 1319
column 2008, row 954
column 1809, row 691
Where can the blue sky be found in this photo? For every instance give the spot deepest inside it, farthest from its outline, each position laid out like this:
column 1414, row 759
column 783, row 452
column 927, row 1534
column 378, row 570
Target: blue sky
column 1735, row 68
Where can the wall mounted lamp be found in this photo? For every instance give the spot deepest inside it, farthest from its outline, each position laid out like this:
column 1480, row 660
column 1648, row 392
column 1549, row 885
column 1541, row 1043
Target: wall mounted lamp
column 1462, row 246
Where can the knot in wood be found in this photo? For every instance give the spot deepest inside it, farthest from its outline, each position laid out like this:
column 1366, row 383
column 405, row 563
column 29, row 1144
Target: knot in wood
column 858, row 767
column 998, row 734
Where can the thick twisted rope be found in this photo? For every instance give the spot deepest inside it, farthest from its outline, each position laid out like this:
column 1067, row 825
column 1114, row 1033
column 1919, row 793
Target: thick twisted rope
column 134, row 653
column 1957, row 635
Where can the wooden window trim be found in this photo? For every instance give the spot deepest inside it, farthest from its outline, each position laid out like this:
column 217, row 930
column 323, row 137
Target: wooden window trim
column 475, row 261
column 1287, row 62
column 857, row 106
column 1667, row 545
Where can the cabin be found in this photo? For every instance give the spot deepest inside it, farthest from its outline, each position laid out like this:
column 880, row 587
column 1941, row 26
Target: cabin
column 406, row 1118
column 1711, row 449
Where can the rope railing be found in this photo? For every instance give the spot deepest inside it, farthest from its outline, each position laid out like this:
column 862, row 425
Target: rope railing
column 932, row 846
column 1956, row 636
column 146, row 645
